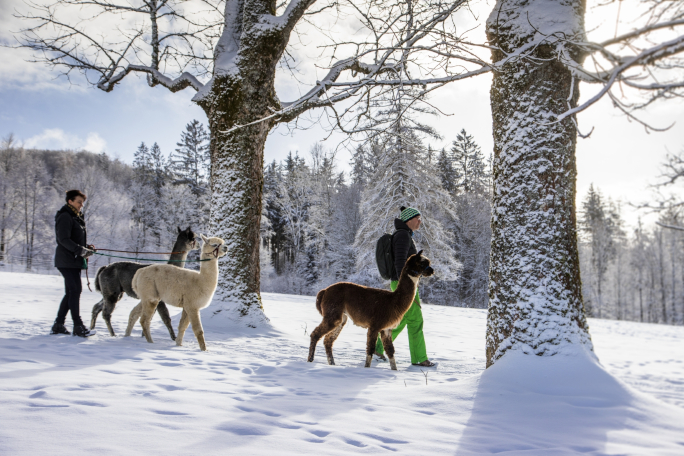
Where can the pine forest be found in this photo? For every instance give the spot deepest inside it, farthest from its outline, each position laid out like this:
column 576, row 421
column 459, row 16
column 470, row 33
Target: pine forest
column 320, row 218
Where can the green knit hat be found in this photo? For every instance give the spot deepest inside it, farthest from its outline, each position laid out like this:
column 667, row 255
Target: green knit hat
column 407, row 213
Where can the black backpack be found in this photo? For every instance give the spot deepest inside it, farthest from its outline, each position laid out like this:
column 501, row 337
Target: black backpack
column 384, row 256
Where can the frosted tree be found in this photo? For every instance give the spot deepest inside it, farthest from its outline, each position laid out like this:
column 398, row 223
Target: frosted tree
column 228, row 52
column 403, row 178
column 535, row 294
column 33, row 186
column 469, row 167
column 142, row 196
column 190, row 163
column 601, row 225
column 273, row 212
column 471, row 192
column 447, row 173
column 9, row 188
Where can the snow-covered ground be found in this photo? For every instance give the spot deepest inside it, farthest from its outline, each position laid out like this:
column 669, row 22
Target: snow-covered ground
column 253, row 392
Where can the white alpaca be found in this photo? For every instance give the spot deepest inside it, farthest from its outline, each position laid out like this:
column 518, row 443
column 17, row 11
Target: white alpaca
column 178, row 287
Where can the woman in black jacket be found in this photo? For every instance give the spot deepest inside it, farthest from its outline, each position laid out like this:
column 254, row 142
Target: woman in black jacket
column 72, row 250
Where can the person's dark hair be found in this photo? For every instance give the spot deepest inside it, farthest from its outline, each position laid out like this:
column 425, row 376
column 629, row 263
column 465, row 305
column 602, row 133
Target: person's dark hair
column 72, row 194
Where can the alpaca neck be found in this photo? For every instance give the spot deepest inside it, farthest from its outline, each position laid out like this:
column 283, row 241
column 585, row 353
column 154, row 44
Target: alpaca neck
column 177, row 258
column 407, row 287
column 209, row 269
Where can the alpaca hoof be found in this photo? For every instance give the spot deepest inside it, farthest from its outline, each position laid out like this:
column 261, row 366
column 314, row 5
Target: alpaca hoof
column 393, row 364
column 331, row 361
column 368, row 360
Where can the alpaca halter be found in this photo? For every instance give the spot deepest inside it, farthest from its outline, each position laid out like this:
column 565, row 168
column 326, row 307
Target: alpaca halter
column 421, row 271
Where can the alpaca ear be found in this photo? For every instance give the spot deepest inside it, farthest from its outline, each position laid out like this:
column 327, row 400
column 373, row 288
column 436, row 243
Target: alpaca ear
column 420, row 253
column 179, row 230
column 204, row 238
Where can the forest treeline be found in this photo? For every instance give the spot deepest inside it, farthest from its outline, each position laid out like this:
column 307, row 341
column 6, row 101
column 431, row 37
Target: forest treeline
column 319, row 224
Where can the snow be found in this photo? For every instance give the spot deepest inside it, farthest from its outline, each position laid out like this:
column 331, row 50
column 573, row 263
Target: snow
column 539, row 18
column 254, row 393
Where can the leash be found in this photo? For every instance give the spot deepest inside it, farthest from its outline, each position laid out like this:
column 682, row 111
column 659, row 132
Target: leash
column 88, row 278
column 136, row 252
column 149, row 259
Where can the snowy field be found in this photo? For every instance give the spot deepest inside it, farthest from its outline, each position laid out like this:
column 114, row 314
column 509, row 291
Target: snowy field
column 253, row 393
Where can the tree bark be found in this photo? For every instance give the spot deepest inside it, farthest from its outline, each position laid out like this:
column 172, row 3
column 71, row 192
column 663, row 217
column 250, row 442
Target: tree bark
column 239, row 94
column 535, row 293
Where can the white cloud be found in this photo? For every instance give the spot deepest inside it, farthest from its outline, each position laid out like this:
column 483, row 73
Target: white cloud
column 56, row 138
column 95, row 143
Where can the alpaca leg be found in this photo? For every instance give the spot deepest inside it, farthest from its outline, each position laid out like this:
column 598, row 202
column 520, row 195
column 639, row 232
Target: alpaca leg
column 133, row 318
column 148, row 309
column 370, row 345
column 387, row 343
column 321, row 330
column 182, row 326
column 97, row 308
column 163, row 312
column 109, row 305
column 330, row 340
column 197, row 329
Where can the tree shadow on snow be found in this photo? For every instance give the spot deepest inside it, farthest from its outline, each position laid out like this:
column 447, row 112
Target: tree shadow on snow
column 525, row 404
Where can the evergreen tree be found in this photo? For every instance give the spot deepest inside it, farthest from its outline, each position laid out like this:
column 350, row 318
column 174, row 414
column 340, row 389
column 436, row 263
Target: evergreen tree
column 142, row 163
column 191, row 162
column 469, row 165
column 273, row 211
column 601, row 223
column 403, row 177
column 446, row 171
column 159, row 172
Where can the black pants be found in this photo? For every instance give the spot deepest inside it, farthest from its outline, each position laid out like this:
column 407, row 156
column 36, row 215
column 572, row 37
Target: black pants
column 72, row 296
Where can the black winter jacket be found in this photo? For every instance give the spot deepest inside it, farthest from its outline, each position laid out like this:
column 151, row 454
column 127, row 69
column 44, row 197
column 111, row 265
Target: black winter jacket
column 70, row 230
column 402, row 246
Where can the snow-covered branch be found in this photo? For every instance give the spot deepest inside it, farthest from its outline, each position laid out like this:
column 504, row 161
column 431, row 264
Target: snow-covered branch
column 644, row 59
column 169, row 38
column 406, row 44
column 174, row 85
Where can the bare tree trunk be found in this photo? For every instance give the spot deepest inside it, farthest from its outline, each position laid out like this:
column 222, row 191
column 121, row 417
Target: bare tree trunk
column 661, row 274
column 535, row 294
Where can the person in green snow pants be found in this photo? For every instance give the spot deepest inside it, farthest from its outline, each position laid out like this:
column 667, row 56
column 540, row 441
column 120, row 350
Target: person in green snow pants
column 403, row 247
column 413, row 321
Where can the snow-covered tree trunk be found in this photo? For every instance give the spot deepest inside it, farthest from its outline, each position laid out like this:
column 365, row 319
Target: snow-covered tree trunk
column 241, row 92
column 237, row 181
column 535, row 294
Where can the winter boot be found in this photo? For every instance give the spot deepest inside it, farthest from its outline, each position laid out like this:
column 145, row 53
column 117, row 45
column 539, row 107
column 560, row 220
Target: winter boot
column 59, row 328
column 82, row 331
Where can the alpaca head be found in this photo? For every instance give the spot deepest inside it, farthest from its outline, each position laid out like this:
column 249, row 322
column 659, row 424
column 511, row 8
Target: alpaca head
column 186, row 240
column 419, row 265
column 213, row 247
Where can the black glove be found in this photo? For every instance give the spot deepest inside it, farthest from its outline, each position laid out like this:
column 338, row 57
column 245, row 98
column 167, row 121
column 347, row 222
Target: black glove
column 85, row 253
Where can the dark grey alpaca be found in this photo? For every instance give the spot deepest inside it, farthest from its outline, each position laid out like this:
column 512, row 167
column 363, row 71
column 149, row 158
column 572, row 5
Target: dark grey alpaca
column 115, row 279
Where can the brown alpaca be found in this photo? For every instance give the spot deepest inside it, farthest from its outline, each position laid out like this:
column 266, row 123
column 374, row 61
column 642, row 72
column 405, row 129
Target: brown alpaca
column 378, row 310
